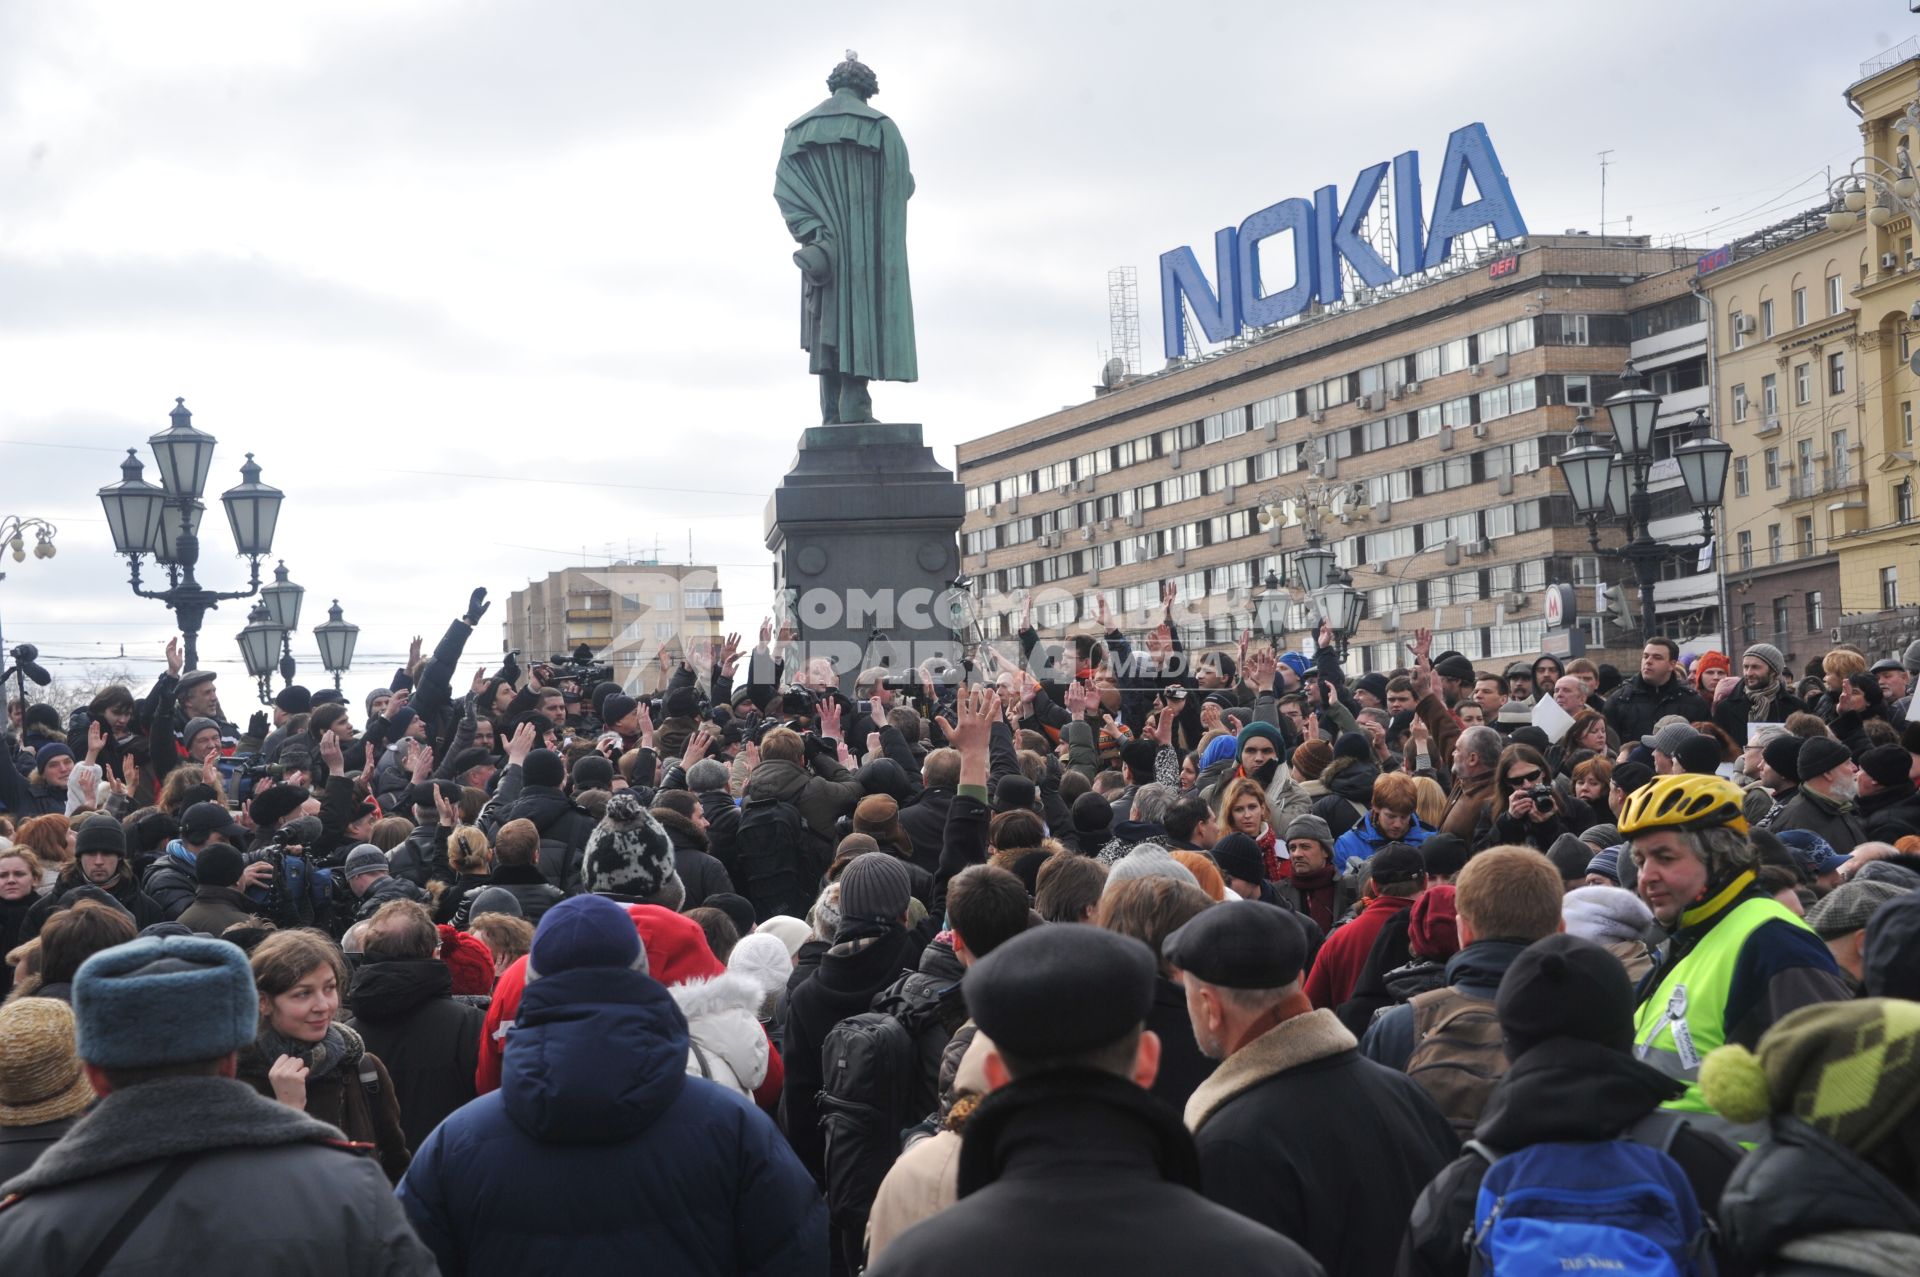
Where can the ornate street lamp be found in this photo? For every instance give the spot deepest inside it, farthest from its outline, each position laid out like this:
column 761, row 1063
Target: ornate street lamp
column 282, row 599
column 164, row 521
column 336, row 639
column 259, row 642
column 1270, row 610
column 13, row 530
column 1610, row 485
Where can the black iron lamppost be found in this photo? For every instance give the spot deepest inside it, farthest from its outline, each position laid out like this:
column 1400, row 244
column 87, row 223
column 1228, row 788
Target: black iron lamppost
column 336, row 639
column 1331, row 589
column 283, row 600
column 1611, row 485
column 1270, row 610
column 164, row 521
column 259, row 641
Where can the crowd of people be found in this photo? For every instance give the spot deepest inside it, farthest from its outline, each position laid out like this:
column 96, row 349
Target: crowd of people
column 1091, row 955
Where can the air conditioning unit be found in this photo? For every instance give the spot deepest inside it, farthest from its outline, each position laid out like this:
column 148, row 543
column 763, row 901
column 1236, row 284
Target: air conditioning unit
column 1770, row 423
column 1583, row 413
column 1135, row 519
column 1383, row 512
column 1479, row 432
column 993, row 507
column 1834, row 634
column 1399, row 391
column 1086, row 534
column 1889, row 261
column 1390, row 624
column 1743, row 323
column 1376, row 400
column 1517, row 601
column 1013, row 504
column 1500, row 364
column 1506, row 485
column 1477, row 548
column 1363, row 402
column 1106, row 525
column 1317, row 416
column 1063, row 490
column 1174, row 460
column 1473, row 370
column 1446, row 438
column 1413, row 387
column 1377, row 568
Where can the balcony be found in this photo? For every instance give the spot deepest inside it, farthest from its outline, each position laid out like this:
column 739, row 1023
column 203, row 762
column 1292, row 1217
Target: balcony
column 1825, row 477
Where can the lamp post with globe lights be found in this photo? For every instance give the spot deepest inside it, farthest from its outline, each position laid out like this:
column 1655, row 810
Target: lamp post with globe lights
column 1611, row 485
column 164, row 520
column 336, row 638
column 13, row 536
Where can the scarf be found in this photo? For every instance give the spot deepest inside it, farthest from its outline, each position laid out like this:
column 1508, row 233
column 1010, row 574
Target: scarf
column 340, row 1048
column 1316, row 889
column 1760, row 700
column 1278, row 863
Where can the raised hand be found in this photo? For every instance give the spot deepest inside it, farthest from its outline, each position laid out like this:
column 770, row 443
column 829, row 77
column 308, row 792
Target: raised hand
column 479, row 681
column 766, row 631
column 1161, row 728
column 753, row 757
column 447, row 811
column 873, row 744
column 129, row 773
column 174, row 660
column 830, row 718
column 1103, row 613
column 646, row 726
column 413, row 652
column 1421, row 644
column 974, row 710
column 366, row 766
column 1210, row 717
column 520, row 744
column 697, row 745
column 211, row 769
column 729, row 655
column 331, row 756
column 423, row 759
column 96, row 740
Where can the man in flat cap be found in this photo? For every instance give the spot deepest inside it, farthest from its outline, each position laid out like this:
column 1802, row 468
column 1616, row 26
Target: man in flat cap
column 1295, row 1121
column 1068, row 1165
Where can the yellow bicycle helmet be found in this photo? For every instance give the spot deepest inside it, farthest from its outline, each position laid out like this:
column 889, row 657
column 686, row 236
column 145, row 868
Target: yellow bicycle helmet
column 1683, row 802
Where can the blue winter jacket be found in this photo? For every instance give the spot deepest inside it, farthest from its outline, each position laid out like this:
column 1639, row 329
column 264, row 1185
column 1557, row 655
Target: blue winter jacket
column 1360, row 842
column 599, row 1154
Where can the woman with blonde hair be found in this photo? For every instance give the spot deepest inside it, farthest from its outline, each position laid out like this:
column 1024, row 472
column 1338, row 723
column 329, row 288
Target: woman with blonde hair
column 19, row 891
column 1429, row 801
column 51, row 839
column 389, row 832
column 471, row 857
column 1244, row 809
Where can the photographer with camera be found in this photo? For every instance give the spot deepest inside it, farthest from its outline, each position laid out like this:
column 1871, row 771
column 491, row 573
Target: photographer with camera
column 1529, row 811
column 287, row 826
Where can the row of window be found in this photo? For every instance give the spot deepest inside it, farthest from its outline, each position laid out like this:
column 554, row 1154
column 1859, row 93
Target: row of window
column 601, row 601
column 1807, row 474
column 1423, row 365
column 1814, row 610
column 1836, row 304
column 1836, row 383
column 1522, row 457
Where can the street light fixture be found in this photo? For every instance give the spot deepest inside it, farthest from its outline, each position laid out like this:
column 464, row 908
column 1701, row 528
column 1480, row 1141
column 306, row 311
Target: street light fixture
column 13, row 530
column 1612, row 486
column 282, row 599
column 259, row 641
column 183, row 457
column 1270, row 609
column 336, row 639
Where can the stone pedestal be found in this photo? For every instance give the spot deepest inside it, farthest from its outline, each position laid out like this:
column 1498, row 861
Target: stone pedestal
column 864, row 534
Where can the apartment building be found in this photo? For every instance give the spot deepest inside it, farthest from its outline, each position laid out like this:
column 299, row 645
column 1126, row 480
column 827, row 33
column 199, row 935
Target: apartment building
column 1812, row 341
column 1415, row 435
column 624, row 612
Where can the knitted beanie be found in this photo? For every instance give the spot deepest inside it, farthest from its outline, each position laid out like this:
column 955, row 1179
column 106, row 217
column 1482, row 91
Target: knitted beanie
column 763, row 959
column 628, row 853
column 1565, row 987
column 875, row 887
column 1148, row 860
column 1605, row 915
column 469, row 959
column 1264, row 731
column 1432, row 924
column 1850, row 1070
column 1092, row 813
column 584, row 931
column 218, row 865
column 544, row 767
column 1311, row 758
column 1767, row 653
column 1819, row 755
column 40, row 1075
column 100, row 833
column 495, row 900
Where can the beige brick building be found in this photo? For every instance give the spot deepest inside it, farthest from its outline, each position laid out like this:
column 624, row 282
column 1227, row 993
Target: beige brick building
column 1417, row 432
column 1812, row 338
column 624, row 612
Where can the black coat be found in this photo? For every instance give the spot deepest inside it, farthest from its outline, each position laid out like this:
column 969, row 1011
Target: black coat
column 430, row 1044
column 1891, row 814
column 926, row 824
column 701, row 874
column 1182, row 1066
column 528, row 885
column 564, row 829
column 1330, row 1150
column 1563, row 1090
column 723, row 825
column 1797, row 1183
column 121, row 887
column 21, row 1146
column 1083, row 1173
column 13, row 917
column 1732, row 714
column 1635, row 706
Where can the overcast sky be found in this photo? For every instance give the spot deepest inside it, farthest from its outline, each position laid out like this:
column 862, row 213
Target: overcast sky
column 489, row 285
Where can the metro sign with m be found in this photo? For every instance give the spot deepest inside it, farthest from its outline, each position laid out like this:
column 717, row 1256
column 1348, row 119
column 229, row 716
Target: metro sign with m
column 1324, row 233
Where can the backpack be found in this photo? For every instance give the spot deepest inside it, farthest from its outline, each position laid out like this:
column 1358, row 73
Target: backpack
column 876, row 1083
column 1458, row 1054
column 779, row 858
column 1621, row 1205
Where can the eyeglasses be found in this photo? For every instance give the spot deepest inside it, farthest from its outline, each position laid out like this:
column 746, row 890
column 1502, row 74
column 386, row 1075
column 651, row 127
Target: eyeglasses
column 1523, row 778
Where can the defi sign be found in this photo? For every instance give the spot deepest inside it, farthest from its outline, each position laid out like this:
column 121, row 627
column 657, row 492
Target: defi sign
column 1325, row 232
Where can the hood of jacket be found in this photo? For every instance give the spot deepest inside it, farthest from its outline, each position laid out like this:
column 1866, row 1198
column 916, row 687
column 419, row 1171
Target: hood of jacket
column 1353, row 782
column 1796, row 1183
column 939, row 960
column 723, row 1018
column 597, row 1055
column 1478, row 968
column 1566, row 1089
column 778, row 778
column 685, row 834
column 388, row 990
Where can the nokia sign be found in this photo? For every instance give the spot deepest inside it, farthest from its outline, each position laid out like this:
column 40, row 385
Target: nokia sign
column 1325, row 232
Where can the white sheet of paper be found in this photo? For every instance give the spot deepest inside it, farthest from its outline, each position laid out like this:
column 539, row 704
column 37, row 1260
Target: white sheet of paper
column 1551, row 719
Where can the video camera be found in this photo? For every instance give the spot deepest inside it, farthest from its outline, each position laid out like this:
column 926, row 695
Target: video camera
column 578, row 668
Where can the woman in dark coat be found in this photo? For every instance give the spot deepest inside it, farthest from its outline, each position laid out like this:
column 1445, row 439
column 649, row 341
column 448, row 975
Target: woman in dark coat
column 306, row 1060
column 1150, row 910
column 19, row 880
column 1518, row 820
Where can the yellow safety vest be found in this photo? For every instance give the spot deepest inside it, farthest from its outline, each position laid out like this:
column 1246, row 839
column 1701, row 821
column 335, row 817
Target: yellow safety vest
column 1686, row 1018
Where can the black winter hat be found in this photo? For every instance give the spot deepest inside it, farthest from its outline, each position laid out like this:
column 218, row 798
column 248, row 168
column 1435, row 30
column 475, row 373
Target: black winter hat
column 1059, row 991
column 1530, row 735
column 1444, row 854
column 616, row 707
column 1782, row 753
column 1139, row 756
column 1570, row 856
column 294, row 699
column 682, row 702
column 590, row 771
column 1092, row 813
column 739, row 910
column 218, row 865
column 1700, row 754
column 100, row 833
column 1820, row 755
column 544, row 767
column 1238, row 856
column 1565, row 987
column 274, row 806
column 1374, row 683
column 1454, row 666
column 1631, row 776
column 1015, row 793
column 1887, row 764
column 469, row 758
column 1353, row 745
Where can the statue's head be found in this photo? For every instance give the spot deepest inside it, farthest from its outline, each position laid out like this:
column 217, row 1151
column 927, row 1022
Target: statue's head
column 854, row 74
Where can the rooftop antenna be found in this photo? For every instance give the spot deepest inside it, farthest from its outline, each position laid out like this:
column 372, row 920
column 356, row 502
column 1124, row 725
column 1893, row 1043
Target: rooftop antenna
column 1123, row 316
column 1604, row 163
